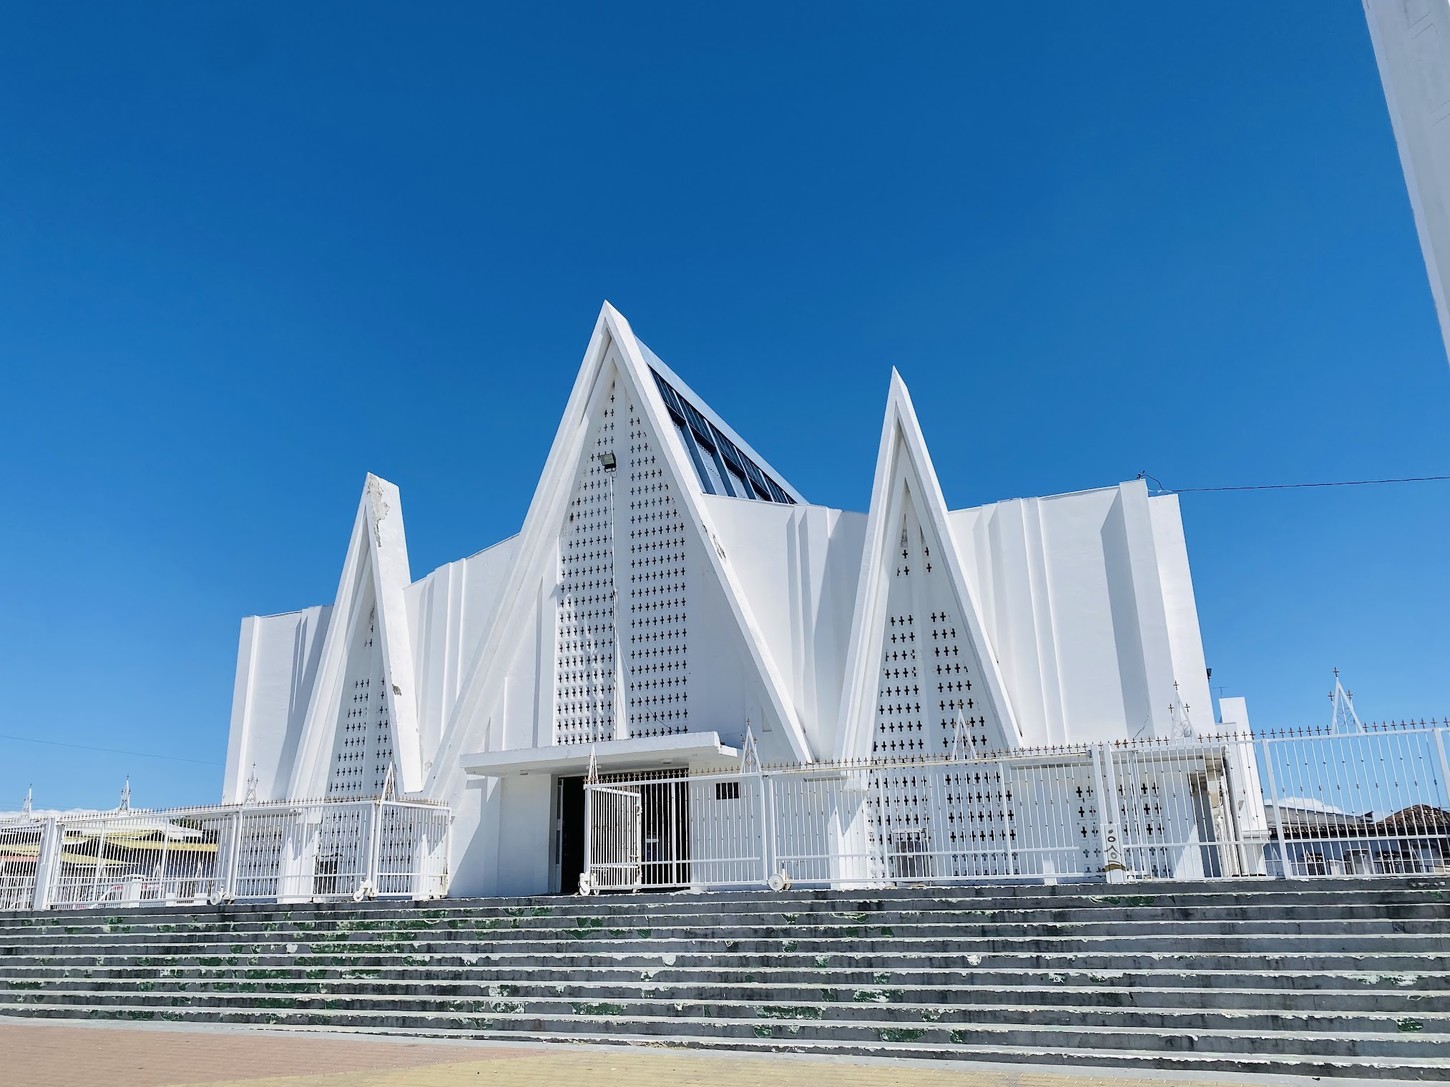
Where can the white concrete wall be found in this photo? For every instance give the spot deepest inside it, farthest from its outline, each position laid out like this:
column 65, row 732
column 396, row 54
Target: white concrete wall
column 448, row 612
column 277, row 661
column 1412, row 46
column 797, row 565
column 525, row 839
column 1185, row 640
column 1092, row 624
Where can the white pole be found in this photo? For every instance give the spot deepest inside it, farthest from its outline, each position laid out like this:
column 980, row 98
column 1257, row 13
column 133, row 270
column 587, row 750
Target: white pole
column 767, row 825
column 47, row 864
column 588, row 835
column 375, row 841
column 161, row 875
column 229, row 877
column 1274, row 800
column 1113, row 867
column 96, row 875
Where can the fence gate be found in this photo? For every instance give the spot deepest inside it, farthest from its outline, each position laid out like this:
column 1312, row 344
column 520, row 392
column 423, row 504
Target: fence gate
column 20, row 849
column 613, row 845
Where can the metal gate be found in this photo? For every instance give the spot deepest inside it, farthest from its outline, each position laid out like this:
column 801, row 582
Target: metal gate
column 614, row 818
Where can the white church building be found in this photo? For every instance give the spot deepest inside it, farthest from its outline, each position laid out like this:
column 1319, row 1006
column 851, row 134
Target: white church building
column 681, row 673
column 673, row 601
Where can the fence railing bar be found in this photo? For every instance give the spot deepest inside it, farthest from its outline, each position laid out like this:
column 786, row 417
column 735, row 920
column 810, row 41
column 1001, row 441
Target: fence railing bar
column 1300, row 803
column 299, row 850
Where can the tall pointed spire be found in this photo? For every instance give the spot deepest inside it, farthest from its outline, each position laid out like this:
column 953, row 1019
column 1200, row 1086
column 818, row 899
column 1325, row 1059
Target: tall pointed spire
column 363, row 714
column 615, row 443
column 919, row 658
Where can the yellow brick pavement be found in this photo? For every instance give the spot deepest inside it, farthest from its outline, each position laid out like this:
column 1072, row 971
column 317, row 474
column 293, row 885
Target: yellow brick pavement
column 68, row 1054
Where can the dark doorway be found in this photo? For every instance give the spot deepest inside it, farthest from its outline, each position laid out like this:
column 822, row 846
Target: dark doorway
column 665, row 823
column 569, row 832
column 666, row 845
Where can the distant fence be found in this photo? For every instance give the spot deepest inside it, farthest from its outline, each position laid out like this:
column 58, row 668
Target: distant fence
column 1296, row 804
column 286, row 851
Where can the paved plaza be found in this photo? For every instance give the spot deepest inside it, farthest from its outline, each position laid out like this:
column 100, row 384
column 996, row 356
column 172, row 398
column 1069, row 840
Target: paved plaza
column 68, row 1054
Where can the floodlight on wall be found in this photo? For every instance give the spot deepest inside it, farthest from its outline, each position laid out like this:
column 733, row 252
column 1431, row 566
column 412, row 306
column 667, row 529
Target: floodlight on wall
column 607, row 459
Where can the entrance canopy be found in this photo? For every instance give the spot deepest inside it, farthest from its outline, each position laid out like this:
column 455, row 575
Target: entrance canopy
column 644, row 753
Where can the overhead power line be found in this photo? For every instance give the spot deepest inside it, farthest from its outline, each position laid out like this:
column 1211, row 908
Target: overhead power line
column 109, row 750
column 1292, row 486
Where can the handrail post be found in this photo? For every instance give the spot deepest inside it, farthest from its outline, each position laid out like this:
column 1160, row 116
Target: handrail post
column 1108, row 830
column 1004, row 778
column 229, row 877
column 885, row 844
column 1278, row 814
column 96, row 875
column 638, row 858
column 161, row 892
column 375, row 845
column 588, row 839
column 767, row 826
column 47, row 864
column 442, row 880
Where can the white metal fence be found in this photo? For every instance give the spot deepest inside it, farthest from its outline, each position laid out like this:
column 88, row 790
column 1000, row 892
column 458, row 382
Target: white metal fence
column 1295, row 804
column 290, row 851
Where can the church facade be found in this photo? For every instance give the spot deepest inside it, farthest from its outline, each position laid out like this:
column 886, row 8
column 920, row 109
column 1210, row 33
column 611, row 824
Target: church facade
column 672, row 598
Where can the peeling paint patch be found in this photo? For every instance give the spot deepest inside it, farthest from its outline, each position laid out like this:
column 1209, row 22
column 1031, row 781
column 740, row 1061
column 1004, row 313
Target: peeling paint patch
column 900, row 1034
column 798, row 1011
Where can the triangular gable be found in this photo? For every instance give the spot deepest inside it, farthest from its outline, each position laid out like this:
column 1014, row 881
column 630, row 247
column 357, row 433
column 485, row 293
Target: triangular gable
column 367, row 666
column 613, row 359
column 920, row 673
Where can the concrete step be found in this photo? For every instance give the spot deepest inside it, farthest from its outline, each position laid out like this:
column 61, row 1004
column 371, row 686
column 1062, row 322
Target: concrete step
column 985, row 939
column 1098, row 992
column 804, row 965
column 922, row 904
column 876, row 1005
column 1337, row 978
column 1077, row 897
column 1258, row 896
column 790, row 927
column 1312, row 991
column 1286, row 985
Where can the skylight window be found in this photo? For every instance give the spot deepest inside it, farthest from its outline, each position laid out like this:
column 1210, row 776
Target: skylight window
column 719, row 462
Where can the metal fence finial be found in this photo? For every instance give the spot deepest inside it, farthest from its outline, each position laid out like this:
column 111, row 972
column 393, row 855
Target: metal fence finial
column 25, row 807
column 389, row 785
column 1178, row 714
column 749, row 756
column 961, row 737
column 125, row 804
column 1343, row 717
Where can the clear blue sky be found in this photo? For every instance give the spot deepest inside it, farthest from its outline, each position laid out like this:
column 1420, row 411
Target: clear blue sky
column 249, row 252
